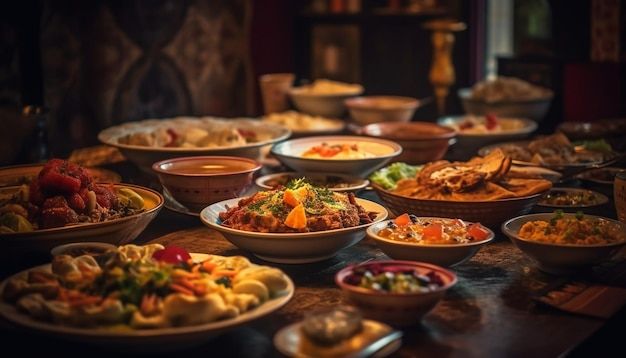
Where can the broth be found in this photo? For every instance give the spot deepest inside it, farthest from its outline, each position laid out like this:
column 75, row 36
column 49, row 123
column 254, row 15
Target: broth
column 206, row 168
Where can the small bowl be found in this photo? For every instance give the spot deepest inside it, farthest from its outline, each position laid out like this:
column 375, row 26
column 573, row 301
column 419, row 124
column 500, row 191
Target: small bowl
column 600, row 176
column 348, row 183
column 186, row 182
column 558, row 258
column 291, row 248
column 468, row 143
column 535, row 109
column 322, row 104
column 421, row 142
column 394, row 308
column 290, row 154
column 600, row 199
column 443, row 255
column 374, row 109
column 83, row 248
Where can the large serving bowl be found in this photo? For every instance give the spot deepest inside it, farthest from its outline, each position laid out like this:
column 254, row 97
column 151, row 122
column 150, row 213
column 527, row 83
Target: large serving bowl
column 421, row 142
column 117, row 231
column 290, row 154
column 145, row 156
column 489, row 213
column 443, row 255
column 398, row 309
column 196, row 182
column 468, row 143
column 330, row 104
column 23, row 174
column 290, row 248
column 374, row 109
column 334, row 182
column 535, row 109
column 559, row 258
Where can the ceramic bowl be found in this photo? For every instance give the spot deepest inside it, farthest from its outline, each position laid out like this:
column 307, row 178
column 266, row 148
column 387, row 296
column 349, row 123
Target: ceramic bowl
column 322, row 104
column 561, row 258
column 334, row 182
column 196, row 182
column 374, row 109
column 290, row 154
column 421, row 142
column 443, row 255
column 291, row 248
column 397, row 309
column 533, row 109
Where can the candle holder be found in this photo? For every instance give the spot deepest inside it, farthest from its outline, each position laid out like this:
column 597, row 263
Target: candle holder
column 442, row 75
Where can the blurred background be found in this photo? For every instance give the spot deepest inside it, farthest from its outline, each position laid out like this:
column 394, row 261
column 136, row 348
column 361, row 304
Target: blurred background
column 88, row 65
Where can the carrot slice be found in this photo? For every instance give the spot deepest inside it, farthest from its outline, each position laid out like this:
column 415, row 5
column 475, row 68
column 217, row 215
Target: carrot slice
column 296, row 219
column 181, row 289
column 290, row 198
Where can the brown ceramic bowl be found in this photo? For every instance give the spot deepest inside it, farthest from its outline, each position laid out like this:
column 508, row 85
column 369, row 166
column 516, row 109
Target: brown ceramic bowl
column 374, row 109
column 196, row 182
column 421, row 142
column 400, row 309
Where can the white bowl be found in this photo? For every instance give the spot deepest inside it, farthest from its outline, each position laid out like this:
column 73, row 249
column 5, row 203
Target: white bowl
column 468, row 144
column 534, row 109
column 291, row 248
column 327, row 105
column 374, row 109
column 145, row 156
column 443, row 255
column 290, row 154
column 351, row 183
column 560, row 258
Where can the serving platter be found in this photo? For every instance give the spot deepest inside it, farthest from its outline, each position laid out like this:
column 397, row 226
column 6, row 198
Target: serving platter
column 160, row 339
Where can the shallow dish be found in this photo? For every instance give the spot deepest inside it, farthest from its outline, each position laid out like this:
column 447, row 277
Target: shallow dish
column 161, row 339
column 596, row 199
column 489, row 213
column 443, row 255
column 401, row 309
column 534, row 109
column 374, row 109
column 421, row 142
column 144, row 156
column 291, row 248
column 468, row 143
column 290, row 154
column 21, row 174
column 559, row 258
column 195, row 182
column 116, row 231
column 334, row 182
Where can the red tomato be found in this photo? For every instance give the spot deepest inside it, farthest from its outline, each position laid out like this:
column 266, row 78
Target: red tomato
column 172, row 254
column 478, row 232
column 491, row 121
column 433, row 232
column 402, row 220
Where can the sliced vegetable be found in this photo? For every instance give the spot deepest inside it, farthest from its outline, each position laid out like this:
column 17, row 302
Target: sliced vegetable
column 433, row 232
column 389, row 177
column 402, row 220
column 15, row 223
column 478, row 232
column 296, row 218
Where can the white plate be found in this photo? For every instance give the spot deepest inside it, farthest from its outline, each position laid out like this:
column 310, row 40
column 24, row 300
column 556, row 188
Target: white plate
column 162, row 339
column 288, row 339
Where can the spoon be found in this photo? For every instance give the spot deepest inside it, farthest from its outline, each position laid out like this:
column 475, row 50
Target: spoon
column 377, row 345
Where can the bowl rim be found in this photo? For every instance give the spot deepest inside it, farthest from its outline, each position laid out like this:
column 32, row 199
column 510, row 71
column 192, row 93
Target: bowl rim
column 59, row 250
column 301, row 91
column 528, row 217
column 448, row 133
column 289, row 236
column 363, row 103
column 602, row 199
column 362, row 183
column 341, row 275
column 156, row 167
column 529, row 127
column 106, row 136
column 464, row 95
column 397, row 148
column 375, row 236
column 585, row 175
column 456, row 202
column 78, row 227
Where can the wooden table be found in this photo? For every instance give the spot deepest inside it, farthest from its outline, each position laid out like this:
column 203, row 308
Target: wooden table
column 489, row 312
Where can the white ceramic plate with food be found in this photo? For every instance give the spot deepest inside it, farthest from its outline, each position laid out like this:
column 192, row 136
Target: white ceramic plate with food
column 160, row 339
column 351, row 155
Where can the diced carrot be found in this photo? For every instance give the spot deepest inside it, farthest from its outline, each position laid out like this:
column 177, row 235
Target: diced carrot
column 402, row 220
column 225, row 273
column 296, row 219
column 478, row 232
column 87, row 300
column 290, row 198
column 433, row 232
column 208, row 266
column 181, row 289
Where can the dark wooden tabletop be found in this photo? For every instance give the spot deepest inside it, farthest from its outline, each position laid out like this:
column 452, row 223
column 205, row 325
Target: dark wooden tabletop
column 489, row 313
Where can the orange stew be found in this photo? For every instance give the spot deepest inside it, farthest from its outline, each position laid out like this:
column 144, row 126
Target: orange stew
column 433, row 231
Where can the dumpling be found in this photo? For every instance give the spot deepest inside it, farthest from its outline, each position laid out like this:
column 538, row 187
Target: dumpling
column 253, row 287
column 182, row 310
column 80, row 270
column 273, row 278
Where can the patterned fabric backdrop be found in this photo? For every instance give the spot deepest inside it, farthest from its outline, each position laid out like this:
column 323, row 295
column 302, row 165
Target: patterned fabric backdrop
column 107, row 62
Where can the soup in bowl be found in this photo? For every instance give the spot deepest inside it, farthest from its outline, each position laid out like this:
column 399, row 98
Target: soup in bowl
column 196, row 182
